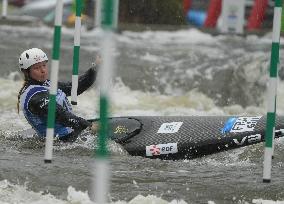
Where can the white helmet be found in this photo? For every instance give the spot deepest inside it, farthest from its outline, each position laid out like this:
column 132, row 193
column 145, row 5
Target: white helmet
column 31, row 57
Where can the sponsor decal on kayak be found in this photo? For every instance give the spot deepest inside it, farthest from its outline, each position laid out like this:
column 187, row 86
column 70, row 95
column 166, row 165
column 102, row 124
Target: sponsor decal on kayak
column 120, row 129
column 250, row 139
column 172, row 127
column 240, row 124
column 154, row 150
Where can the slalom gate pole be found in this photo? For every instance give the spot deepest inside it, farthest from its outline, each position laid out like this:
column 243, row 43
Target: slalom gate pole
column 272, row 93
column 4, row 8
column 282, row 18
column 76, row 52
column 54, row 80
column 109, row 14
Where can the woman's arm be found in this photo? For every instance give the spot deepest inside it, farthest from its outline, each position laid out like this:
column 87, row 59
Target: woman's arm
column 38, row 105
column 85, row 81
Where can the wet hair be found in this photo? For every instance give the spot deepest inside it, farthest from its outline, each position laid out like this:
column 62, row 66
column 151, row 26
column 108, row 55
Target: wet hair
column 26, row 79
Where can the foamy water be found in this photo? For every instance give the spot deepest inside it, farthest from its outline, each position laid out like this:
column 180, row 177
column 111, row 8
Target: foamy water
column 158, row 74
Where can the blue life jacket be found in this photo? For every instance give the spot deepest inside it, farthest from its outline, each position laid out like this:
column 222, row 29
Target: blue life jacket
column 39, row 123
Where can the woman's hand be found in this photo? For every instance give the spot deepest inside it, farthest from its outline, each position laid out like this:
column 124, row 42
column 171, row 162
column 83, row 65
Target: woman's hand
column 98, row 61
column 94, row 127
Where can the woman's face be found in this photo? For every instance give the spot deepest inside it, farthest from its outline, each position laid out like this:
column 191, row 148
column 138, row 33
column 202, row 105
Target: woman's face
column 39, row 71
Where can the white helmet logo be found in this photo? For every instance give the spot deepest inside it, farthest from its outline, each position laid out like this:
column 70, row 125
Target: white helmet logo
column 37, row 58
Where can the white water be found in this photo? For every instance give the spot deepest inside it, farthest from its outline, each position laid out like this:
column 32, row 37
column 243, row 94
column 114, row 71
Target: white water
column 11, row 193
column 126, row 101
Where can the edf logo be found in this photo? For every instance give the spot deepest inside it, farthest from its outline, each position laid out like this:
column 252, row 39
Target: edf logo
column 159, row 149
column 167, row 149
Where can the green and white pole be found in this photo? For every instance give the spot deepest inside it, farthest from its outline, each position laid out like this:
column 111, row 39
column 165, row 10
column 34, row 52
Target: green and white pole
column 272, row 93
column 4, row 8
column 108, row 13
column 54, row 80
column 282, row 19
column 76, row 52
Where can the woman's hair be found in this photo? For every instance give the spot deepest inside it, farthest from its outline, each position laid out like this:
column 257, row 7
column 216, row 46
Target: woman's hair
column 26, row 74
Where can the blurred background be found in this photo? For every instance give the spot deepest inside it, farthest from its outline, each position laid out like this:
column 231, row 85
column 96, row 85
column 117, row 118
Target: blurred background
column 152, row 14
column 237, row 30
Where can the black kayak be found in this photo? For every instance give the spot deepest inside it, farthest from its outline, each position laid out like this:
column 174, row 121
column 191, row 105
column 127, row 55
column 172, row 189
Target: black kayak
column 187, row 137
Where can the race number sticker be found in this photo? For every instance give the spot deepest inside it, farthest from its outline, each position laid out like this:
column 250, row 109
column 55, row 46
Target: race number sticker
column 154, row 150
column 240, row 124
column 172, row 127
